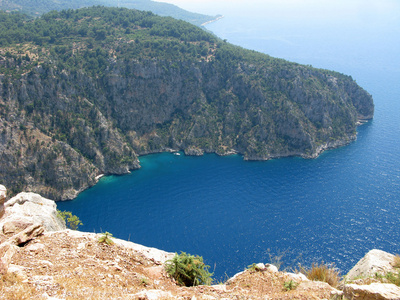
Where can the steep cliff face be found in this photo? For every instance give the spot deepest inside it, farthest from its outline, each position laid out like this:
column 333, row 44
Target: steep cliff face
column 70, row 111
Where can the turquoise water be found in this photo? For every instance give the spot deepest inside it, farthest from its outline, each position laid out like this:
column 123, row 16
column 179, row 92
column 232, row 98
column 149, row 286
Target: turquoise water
column 334, row 208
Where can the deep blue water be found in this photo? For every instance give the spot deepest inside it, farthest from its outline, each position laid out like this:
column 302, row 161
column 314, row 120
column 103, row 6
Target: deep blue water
column 334, row 208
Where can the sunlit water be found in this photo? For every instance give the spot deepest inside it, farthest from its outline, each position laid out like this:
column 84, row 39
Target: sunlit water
column 334, row 208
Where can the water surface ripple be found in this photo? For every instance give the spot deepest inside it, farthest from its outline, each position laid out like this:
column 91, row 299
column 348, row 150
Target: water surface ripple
column 334, row 208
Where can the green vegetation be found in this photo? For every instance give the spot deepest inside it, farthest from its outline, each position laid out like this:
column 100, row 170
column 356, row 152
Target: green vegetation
column 253, row 268
column 70, row 220
column 290, row 285
column 390, row 277
column 35, row 8
column 87, row 90
column 106, row 238
column 188, row 270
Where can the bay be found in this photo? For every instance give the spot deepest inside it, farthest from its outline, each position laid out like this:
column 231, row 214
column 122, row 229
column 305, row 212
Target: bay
column 334, row 208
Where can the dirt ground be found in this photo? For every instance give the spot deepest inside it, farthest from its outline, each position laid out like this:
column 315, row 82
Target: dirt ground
column 63, row 265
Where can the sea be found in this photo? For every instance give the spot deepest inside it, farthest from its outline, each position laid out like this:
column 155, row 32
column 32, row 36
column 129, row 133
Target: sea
column 234, row 213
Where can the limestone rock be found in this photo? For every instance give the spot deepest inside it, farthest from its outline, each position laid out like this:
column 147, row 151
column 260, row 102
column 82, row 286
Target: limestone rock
column 194, row 151
column 297, row 277
column 7, row 251
column 13, row 227
column 17, row 272
column 37, row 247
column 260, row 266
column 271, row 268
column 27, row 209
column 316, row 285
column 375, row 261
column 373, row 291
column 26, row 235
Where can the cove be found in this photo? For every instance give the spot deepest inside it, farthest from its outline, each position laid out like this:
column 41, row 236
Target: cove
column 334, row 208
column 231, row 211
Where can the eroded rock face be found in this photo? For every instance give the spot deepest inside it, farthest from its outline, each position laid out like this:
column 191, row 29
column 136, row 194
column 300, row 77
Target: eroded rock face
column 373, row 291
column 28, row 209
column 375, row 261
column 3, row 195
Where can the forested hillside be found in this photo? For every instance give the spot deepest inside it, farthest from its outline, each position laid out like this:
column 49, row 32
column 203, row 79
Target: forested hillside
column 83, row 92
column 36, row 8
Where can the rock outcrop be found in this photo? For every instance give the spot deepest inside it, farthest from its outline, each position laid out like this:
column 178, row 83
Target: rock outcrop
column 29, row 209
column 373, row 291
column 364, row 280
column 374, row 262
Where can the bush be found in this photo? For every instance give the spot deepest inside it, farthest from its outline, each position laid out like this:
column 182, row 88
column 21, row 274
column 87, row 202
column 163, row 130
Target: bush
column 396, row 262
column 188, row 270
column 105, row 238
column 389, row 277
column 70, row 220
column 290, row 285
column 323, row 273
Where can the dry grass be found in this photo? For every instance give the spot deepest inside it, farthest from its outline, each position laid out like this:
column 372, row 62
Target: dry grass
column 69, row 267
column 396, row 261
column 323, row 272
column 12, row 288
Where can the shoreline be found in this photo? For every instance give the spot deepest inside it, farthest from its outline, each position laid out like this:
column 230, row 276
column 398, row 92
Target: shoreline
column 232, row 152
column 214, row 20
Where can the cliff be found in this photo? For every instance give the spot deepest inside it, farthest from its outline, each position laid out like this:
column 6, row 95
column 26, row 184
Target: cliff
column 38, row 262
column 79, row 99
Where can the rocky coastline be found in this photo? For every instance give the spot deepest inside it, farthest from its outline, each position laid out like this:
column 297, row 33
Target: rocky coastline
column 65, row 122
column 40, row 258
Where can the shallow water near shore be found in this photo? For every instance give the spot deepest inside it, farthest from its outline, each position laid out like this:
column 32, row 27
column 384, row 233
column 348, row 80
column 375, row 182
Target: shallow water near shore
column 334, row 208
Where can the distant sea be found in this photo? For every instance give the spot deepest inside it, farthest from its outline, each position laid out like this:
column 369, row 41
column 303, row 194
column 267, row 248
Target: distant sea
column 234, row 213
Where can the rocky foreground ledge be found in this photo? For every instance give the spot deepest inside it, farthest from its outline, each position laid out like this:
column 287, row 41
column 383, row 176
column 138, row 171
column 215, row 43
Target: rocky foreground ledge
column 40, row 259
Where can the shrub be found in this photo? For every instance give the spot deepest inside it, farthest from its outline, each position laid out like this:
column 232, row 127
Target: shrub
column 188, row 270
column 70, row 220
column 253, row 268
column 105, row 238
column 396, row 262
column 389, row 277
column 323, row 272
column 290, row 285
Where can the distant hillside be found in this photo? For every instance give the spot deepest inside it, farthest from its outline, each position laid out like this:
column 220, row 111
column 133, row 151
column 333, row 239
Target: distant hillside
column 84, row 92
column 36, row 8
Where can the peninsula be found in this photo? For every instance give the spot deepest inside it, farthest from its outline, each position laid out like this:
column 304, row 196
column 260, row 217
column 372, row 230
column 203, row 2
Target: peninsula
column 85, row 92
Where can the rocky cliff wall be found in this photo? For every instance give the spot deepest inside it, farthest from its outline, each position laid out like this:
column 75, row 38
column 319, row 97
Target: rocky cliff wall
column 60, row 129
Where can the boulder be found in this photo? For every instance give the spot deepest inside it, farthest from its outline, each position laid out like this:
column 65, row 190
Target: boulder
column 27, row 209
column 375, row 261
column 272, row 268
column 27, row 235
column 373, row 291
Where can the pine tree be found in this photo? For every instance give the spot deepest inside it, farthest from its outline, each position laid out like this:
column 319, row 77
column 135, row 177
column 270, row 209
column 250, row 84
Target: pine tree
column 188, row 270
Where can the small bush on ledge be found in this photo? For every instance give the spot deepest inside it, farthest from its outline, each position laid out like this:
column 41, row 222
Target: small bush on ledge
column 105, row 238
column 188, row 270
column 70, row 220
column 323, row 272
